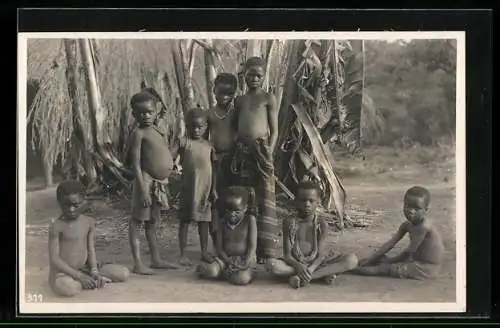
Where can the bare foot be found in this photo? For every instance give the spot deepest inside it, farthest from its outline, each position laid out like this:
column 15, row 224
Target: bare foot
column 164, row 265
column 261, row 260
column 184, row 261
column 207, row 257
column 142, row 269
column 294, row 281
column 330, row 280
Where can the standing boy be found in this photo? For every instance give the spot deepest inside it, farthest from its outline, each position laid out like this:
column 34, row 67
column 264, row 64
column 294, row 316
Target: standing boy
column 198, row 183
column 221, row 129
column 152, row 164
column 73, row 262
column 257, row 126
column 306, row 254
column 423, row 257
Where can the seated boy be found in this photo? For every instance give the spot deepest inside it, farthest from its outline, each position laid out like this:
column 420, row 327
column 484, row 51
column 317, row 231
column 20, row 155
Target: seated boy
column 73, row 263
column 236, row 239
column 306, row 253
column 423, row 258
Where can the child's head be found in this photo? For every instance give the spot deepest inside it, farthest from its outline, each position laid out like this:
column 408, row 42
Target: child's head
column 255, row 71
column 416, row 204
column 307, row 198
column 225, row 86
column 70, row 196
column 144, row 108
column 235, row 203
column 196, row 123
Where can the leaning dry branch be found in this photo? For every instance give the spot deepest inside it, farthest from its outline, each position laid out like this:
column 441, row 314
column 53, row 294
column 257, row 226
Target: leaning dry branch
column 101, row 140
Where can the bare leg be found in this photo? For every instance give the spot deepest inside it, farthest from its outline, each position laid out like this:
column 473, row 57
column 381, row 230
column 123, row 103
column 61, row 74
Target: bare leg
column 346, row 263
column 279, row 268
column 150, row 227
column 115, row 272
column 66, row 286
column 133, row 234
column 209, row 270
column 183, row 231
column 203, row 231
column 241, row 278
column 378, row 270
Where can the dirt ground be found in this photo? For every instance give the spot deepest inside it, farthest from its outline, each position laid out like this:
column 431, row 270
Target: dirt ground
column 374, row 189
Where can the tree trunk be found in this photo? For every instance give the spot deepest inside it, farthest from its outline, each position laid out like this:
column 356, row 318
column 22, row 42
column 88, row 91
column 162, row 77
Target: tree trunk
column 47, row 171
column 80, row 144
column 101, row 140
column 210, row 74
column 183, row 55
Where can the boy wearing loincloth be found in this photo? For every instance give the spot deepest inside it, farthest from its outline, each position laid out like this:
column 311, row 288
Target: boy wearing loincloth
column 423, row 257
column 236, row 239
column 306, row 254
column 197, row 184
column 152, row 164
column 72, row 255
column 256, row 123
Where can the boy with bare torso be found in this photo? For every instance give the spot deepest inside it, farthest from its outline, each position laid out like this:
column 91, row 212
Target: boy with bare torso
column 73, row 262
column 198, row 183
column 221, row 129
column 152, row 164
column 306, row 253
column 423, row 257
column 256, row 122
column 236, row 239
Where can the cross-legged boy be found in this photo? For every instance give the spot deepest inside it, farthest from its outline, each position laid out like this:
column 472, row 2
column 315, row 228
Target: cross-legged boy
column 236, row 239
column 307, row 255
column 73, row 262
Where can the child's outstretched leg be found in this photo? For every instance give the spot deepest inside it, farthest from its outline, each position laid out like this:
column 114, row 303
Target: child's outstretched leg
column 341, row 264
column 203, row 231
column 280, row 269
column 134, row 229
column 183, row 231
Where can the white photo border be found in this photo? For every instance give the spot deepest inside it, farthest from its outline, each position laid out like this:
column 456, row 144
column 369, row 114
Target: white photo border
column 282, row 307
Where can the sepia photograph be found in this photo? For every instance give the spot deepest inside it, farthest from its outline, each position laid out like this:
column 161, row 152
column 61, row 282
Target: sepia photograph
column 241, row 172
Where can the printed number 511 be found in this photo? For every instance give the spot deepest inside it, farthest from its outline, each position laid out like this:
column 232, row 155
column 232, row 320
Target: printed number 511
column 35, row 298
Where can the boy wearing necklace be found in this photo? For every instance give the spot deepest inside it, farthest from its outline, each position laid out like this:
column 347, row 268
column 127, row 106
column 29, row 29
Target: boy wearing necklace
column 307, row 255
column 221, row 126
column 236, row 239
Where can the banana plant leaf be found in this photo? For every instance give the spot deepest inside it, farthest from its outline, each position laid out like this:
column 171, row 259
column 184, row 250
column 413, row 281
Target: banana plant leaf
column 337, row 195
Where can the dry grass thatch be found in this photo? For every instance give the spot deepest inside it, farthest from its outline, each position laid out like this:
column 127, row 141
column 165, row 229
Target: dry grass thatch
column 122, row 66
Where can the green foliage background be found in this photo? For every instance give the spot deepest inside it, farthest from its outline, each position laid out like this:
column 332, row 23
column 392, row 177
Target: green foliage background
column 411, row 92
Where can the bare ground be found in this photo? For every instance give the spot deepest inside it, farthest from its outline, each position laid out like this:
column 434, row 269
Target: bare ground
column 375, row 188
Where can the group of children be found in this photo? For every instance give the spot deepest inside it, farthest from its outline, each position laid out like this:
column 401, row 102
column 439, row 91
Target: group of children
column 227, row 188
